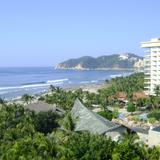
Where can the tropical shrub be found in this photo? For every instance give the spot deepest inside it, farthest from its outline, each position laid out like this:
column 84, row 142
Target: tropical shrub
column 45, row 122
column 152, row 120
column 131, row 107
column 106, row 114
column 154, row 114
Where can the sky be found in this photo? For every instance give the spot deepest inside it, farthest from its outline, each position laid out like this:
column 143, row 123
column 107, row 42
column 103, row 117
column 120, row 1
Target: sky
column 46, row 32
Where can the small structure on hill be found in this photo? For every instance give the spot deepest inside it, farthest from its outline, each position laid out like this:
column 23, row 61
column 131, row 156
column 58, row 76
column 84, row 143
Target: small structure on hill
column 122, row 98
column 87, row 120
column 139, row 95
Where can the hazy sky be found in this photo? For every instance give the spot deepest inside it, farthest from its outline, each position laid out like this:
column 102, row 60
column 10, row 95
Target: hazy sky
column 45, row 32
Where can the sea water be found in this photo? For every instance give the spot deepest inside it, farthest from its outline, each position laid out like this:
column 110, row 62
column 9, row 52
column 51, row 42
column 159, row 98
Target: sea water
column 15, row 82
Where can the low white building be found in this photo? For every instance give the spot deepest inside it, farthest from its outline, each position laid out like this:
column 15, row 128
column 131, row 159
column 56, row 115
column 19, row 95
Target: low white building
column 154, row 137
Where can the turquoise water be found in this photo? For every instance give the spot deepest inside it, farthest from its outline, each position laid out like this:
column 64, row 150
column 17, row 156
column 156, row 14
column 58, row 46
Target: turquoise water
column 14, row 82
column 142, row 117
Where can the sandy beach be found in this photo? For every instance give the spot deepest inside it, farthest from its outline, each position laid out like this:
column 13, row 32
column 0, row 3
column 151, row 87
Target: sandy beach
column 87, row 87
column 92, row 88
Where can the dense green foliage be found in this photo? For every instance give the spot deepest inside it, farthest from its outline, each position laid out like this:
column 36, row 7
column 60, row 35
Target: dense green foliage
column 20, row 140
column 107, row 96
column 83, row 146
column 65, row 99
column 154, row 114
column 45, row 122
column 131, row 107
column 110, row 61
column 107, row 115
column 129, row 84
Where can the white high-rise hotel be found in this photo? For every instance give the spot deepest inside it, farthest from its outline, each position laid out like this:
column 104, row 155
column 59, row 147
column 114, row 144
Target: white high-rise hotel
column 152, row 64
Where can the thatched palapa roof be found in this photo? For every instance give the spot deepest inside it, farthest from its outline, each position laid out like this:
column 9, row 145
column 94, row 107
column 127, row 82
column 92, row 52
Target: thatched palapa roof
column 87, row 120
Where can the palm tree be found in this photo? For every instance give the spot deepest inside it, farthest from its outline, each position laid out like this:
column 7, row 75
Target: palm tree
column 67, row 127
column 157, row 90
column 2, row 101
column 130, row 138
column 68, row 123
column 27, row 98
column 130, row 95
column 153, row 102
column 59, row 89
column 52, row 88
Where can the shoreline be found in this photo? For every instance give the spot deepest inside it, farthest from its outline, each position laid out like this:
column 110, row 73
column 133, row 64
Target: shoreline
column 101, row 69
column 92, row 88
column 66, row 80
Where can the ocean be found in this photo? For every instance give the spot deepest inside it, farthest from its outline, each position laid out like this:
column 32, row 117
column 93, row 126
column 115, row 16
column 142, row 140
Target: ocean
column 14, row 82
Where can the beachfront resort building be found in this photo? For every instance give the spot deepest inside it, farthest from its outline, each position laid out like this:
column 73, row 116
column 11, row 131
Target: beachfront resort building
column 152, row 65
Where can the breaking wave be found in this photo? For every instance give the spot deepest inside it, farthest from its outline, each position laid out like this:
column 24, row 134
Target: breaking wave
column 35, row 84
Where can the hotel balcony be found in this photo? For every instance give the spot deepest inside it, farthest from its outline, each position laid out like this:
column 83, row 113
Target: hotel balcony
column 147, row 74
column 154, row 55
column 147, row 70
column 147, row 81
column 153, row 68
column 147, row 59
column 147, row 78
column 147, row 63
column 147, row 87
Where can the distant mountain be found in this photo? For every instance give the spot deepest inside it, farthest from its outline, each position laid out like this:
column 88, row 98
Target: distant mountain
column 115, row 61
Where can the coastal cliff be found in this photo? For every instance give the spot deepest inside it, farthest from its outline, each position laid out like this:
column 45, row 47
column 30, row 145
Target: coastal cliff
column 115, row 61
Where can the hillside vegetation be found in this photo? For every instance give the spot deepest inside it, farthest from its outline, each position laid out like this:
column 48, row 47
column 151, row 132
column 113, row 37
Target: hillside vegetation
column 23, row 136
column 115, row 61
